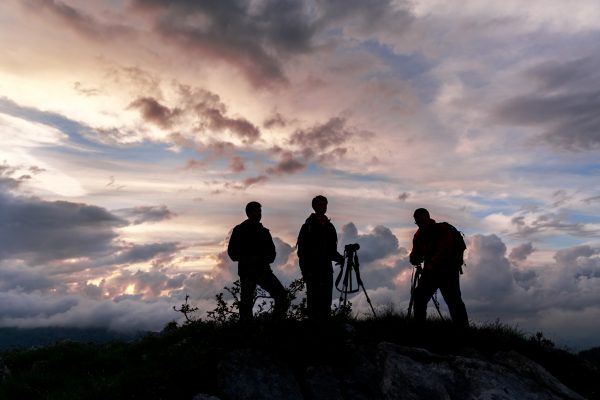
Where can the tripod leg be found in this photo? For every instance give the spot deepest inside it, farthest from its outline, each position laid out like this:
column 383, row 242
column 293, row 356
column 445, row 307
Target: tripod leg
column 368, row 299
column 437, row 305
column 413, row 286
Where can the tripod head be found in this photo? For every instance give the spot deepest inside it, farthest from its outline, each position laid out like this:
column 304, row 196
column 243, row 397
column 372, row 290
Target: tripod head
column 352, row 265
column 351, row 248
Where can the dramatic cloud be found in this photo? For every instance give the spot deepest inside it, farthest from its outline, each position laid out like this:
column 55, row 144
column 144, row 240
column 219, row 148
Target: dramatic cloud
column 77, row 20
column 154, row 112
column 215, row 120
column 592, row 199
column 143, row 214
column 29, row 310
column 377, row 244
column 132, row 254
column 321, row 138
column 520, row 253
column 284, row 250
column 251, row 36
column 42, row 231
column 488, row 274
column 254, row 180
column 564, row 106
column 322, row 143
column 276, row 121
column 20, row 277
column 583, row 260
column 11, row 177
column 259, row 38
column 237, row 164
column 287, row 165
column 403, row 196
column 146, row 285
column 533, row 224
column 202, row 111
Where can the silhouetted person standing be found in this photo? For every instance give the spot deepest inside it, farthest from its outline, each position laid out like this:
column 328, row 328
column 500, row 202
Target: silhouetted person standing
column 434, row 246
column 251, row 245
column 317, row 248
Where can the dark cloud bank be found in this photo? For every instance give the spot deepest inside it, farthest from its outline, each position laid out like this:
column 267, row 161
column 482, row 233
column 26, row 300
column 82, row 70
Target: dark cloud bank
column 51, row 248
column 564, row 105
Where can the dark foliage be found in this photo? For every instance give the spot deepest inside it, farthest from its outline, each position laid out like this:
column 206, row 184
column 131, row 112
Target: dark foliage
column 181, row 361
column 12, row 338
column 592, row 355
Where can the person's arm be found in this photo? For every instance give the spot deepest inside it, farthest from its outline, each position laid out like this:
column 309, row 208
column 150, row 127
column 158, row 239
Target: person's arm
column 234, row 246
column 301, row 243
column 334, row 255
column 416, row 254
column 270, row 252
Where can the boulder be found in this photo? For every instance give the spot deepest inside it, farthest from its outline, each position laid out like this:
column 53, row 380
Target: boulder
column 409, row 373
column 247, row 374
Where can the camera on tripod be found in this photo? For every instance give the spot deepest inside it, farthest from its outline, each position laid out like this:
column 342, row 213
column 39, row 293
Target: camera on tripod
column 349, row 248
column 345, row 276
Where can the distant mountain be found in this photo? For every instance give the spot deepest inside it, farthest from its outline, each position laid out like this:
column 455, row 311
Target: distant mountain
column 592, row 355
column 11, row 338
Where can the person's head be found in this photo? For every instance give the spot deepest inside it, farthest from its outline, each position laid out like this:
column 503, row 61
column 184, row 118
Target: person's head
column 254, row 211
column 319, row 204
column 422, row 217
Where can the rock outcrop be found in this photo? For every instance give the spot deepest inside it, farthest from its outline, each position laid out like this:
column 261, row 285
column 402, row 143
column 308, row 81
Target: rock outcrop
column 391, row 372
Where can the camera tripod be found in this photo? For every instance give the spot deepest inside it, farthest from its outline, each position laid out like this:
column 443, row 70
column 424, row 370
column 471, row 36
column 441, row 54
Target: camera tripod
column 414, row 283
column 347, row 281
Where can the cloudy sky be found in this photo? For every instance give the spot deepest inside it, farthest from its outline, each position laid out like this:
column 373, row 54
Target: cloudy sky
column 135, row 131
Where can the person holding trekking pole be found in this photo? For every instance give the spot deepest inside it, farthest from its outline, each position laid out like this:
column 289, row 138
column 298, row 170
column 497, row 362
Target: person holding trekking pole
column 440, row 250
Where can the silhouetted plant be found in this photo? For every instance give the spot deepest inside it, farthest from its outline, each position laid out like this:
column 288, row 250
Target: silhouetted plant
column 187, row 310
column 541, row 341
column 297, row 310
column 226, row 312
column 342, row 311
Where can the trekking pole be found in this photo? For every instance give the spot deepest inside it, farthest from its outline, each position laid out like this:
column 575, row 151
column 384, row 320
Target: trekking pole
column 415, row 278
column 437, row 305
column 414, row 282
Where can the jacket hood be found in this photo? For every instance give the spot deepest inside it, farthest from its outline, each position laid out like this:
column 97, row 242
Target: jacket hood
column 249, row 222
column 314, row 217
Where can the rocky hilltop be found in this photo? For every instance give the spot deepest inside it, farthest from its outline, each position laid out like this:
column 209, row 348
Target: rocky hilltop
column 384, row 358
column 391, row 372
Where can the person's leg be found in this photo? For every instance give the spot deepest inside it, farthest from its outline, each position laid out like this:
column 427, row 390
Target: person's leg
column 423, row 293
column 450, row 289
column 247, row 289
column 309, row 283
column 322, row 284
column 327, row 294
column 273, row 286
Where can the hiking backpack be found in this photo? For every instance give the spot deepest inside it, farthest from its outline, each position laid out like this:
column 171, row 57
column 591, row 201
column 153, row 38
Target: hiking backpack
column 459, row 244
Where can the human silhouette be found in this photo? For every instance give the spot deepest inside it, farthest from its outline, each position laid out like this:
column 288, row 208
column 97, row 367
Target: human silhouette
column 317, row 248
column 434, row 246
column 251, row 245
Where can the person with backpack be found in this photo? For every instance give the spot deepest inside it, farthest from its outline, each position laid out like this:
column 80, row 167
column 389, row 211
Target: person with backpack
column 251, row 245
column 317, row 248
column 439, row 247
